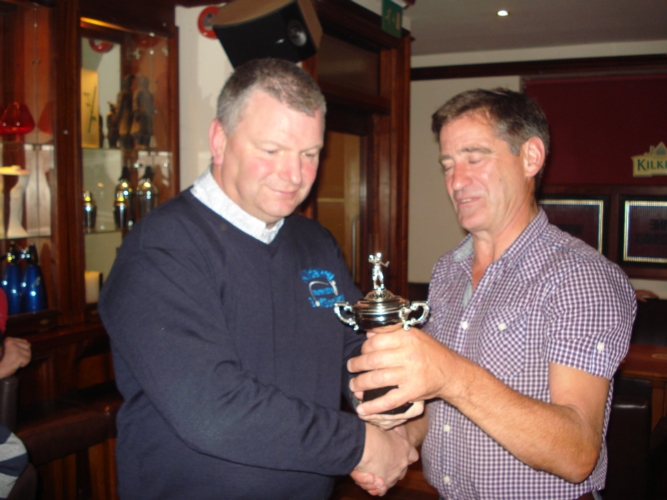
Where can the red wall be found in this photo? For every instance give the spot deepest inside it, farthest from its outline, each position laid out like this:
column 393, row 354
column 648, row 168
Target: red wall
column 598, row 124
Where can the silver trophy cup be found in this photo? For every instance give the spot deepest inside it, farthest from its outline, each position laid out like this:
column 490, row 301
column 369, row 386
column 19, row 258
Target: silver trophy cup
column 379, row 308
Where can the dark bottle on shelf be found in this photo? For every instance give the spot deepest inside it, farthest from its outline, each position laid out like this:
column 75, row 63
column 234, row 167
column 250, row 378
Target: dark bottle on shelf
column 89, row 212
column 124, row 201
column 147, row 193
column 33, row 293
column 11, row 280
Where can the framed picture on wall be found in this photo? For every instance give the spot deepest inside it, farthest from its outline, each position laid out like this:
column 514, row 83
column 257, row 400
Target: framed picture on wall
column 582, row 216
column 644, row 230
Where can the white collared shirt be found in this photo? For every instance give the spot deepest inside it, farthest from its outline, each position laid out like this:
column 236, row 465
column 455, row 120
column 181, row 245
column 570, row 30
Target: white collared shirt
column 206, row 190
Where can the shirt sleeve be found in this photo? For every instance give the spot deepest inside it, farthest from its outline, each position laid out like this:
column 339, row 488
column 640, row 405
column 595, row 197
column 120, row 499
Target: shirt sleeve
column 13, row 460
column 590, row 317
column 167, row 329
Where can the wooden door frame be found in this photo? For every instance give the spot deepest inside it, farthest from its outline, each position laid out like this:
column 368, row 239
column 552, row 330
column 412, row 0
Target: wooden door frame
column 385, row 149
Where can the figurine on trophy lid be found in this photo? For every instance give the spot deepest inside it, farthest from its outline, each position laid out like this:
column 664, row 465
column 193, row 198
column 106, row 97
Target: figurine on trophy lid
column 380, row 308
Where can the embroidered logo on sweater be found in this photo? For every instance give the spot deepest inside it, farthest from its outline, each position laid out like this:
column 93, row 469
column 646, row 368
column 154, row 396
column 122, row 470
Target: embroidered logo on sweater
column 322, row 288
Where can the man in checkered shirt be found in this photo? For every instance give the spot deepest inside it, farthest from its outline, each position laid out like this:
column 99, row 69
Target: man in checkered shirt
column 528, row 325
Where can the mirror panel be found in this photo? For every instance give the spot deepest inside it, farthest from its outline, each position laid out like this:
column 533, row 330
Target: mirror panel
column 127, row 150
column 28, row 161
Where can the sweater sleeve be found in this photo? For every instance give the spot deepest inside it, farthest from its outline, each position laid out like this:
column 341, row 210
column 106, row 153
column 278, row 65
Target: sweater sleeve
column 171, row 343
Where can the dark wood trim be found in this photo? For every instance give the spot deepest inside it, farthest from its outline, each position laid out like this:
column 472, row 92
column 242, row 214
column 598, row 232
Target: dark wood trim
column 417, row 291
column 349, row 21
column 156, row 16
column 343, row 96
column 557, row 67
column 102, row 32
column 68, row 244
column 346, row 120
column 383, row 124
column 174, row 144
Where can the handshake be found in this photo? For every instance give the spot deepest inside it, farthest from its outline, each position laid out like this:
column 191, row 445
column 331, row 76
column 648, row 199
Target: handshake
column 388, row 449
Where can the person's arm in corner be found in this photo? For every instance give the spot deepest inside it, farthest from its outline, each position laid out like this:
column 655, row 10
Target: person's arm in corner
column 17, row 354
column 642, row 295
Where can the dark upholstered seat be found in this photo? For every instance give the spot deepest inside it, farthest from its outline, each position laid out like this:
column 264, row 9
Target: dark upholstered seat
column 650, row 326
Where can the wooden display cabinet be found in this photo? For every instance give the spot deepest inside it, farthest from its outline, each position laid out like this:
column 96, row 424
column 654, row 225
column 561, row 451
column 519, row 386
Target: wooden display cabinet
column 48, row 53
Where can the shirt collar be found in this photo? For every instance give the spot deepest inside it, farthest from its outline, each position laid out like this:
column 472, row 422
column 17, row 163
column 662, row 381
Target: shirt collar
column 465, row 250
column 206, row 190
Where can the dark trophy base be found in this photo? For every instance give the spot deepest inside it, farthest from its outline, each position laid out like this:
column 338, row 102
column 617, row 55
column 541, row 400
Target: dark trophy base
column 376, row 393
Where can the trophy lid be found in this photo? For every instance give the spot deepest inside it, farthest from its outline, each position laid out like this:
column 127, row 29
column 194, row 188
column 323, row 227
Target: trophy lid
column 383, row 303
column 379, row 300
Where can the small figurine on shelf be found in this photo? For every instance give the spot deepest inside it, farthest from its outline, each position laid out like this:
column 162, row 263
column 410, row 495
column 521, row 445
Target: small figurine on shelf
column 11, row 279
column 147, row 193
column 33, row 293
column 125, row 115
column 142, row 127
column 112, row 125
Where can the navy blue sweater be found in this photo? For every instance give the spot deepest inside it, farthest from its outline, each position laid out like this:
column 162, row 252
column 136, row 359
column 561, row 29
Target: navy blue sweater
column 230, row 359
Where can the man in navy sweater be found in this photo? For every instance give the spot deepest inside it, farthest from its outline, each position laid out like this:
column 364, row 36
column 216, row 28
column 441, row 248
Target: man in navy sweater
column 219, row 309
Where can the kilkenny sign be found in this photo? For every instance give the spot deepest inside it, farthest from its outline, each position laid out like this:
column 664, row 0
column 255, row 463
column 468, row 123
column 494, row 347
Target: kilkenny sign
column 652, row 163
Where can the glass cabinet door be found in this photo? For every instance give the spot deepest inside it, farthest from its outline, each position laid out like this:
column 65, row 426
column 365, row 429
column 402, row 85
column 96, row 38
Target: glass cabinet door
column 28, row 164
column 125, row 137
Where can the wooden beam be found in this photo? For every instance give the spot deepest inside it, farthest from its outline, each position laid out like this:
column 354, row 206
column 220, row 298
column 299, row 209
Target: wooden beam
column 554, row 67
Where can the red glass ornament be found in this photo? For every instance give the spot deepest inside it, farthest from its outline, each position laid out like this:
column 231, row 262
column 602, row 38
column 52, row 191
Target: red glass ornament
column 16, row 120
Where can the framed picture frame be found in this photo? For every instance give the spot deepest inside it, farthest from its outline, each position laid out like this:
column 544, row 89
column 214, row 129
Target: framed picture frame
column 584, row 217
column 644, row 231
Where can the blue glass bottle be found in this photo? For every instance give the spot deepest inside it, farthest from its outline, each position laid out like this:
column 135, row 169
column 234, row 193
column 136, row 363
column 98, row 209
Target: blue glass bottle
column 11, row 280
column 33, row 294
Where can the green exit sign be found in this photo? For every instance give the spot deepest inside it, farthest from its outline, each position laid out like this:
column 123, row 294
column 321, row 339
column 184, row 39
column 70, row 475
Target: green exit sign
column 392, row 18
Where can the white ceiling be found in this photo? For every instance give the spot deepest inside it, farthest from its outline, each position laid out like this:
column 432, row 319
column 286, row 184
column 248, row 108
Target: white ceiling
column 447, row 26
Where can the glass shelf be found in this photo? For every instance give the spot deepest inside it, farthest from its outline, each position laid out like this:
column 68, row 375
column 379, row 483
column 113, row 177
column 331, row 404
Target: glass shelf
column 126, row 123
column 30, row 145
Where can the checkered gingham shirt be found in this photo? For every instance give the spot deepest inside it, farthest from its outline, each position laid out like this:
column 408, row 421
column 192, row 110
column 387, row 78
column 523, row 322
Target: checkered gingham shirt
column 550, row 298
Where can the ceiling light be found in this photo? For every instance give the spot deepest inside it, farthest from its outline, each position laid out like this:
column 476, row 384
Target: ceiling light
column 503, row 13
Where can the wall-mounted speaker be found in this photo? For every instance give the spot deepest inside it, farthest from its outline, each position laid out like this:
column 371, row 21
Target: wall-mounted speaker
column 251, row 29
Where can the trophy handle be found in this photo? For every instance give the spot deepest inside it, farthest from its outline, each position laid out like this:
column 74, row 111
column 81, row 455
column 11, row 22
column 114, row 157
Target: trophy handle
column 413, row 307
column 346, row 308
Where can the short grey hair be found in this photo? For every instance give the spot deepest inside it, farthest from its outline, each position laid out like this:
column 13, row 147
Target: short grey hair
column 281, row 79
column 516, row 117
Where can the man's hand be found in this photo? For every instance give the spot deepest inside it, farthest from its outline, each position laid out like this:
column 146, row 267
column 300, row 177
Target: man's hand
column 17, row 354
column 642, row 295
column 386, row 421
column 411, row 360
column 385, row 461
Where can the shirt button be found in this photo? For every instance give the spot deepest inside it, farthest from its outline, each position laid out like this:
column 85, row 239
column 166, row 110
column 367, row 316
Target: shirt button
column 446, row 427
column 447, row 479
column 502, row 326
column 464, row 325
column 600, row 346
